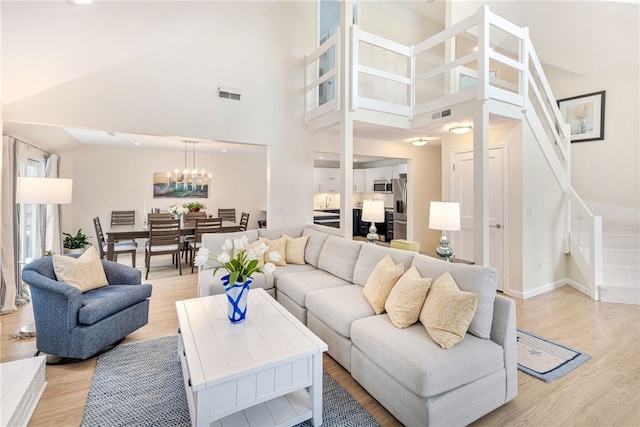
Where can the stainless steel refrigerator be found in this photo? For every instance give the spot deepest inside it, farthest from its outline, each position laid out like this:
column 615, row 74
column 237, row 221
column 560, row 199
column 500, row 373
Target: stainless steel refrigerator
column 400, row 207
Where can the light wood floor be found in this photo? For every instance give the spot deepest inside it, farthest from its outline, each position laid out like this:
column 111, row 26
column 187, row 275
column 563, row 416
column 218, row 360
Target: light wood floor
column 605, row 391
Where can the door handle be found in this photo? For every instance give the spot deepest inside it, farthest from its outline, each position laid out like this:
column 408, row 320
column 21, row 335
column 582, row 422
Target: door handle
column 498, row 226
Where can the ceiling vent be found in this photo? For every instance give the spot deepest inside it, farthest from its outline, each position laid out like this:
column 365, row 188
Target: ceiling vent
column 441, row 114
column 229, row 93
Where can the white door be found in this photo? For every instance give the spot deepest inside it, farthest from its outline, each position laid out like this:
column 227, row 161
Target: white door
column 462, row 192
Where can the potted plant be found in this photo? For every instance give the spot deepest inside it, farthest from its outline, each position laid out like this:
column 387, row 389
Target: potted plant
column 75, row 244
column 194, row 206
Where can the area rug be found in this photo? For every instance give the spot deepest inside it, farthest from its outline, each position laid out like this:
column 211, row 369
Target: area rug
column 141, row 384
column 545, row 359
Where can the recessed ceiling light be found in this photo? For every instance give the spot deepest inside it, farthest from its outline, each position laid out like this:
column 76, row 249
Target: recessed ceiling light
column 137, row 144
column 355, row 160
column 81, row 2
column 320, row 158
column 460, row 129
column 224, row 150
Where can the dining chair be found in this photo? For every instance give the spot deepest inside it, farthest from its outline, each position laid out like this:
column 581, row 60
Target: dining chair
column 159, row 215
column 190, row 222
column 227, row 214
column 244, row 221
column 118, row 247
column 203, row 225
column 164, row 239
column 123, row 218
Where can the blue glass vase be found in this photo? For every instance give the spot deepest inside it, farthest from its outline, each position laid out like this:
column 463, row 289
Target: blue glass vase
column 237, row 298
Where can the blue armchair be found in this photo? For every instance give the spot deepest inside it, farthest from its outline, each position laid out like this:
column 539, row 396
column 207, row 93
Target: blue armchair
column 74, row 325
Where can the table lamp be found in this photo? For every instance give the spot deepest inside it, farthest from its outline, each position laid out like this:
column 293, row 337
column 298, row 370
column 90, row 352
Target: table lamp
column 373, row 211
column 444, row 216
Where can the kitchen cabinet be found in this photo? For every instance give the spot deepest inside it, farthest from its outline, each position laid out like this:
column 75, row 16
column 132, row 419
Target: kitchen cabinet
column 371, row 174
column 326, row 180
column 359, row 181
column 397, row 170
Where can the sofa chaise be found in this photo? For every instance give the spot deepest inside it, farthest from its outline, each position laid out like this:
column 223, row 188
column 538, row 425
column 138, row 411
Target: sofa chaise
column 405, row 370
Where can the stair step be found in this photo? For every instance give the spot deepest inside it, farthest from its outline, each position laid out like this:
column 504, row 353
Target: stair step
column 621, row 241
column 621, row 256
column 621, row 274
column 621, row 294
column 614, row 226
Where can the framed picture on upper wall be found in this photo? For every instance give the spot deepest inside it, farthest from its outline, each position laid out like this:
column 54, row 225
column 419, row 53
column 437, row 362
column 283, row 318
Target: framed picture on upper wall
column 585, row 114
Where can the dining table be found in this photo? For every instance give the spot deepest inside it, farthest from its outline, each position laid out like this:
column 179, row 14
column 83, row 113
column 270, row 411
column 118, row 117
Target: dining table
column 129, row 232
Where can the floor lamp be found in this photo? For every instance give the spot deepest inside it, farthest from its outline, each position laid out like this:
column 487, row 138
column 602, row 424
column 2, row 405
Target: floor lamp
column 444, row 216
column 373, row 211
column 42, row 191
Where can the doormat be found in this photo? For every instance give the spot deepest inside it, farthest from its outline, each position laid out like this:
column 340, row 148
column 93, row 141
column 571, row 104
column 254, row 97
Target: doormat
column 545, row 359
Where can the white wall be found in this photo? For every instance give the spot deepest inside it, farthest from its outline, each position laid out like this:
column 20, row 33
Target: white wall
column 172, row 90
column 606, row 171
column 106, row 179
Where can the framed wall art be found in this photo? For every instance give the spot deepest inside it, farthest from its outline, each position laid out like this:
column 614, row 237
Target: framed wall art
column 585, row 114
column 180, row 185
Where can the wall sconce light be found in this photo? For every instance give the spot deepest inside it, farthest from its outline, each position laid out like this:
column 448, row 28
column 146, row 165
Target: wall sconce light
column 420, row 142
column 460, row 129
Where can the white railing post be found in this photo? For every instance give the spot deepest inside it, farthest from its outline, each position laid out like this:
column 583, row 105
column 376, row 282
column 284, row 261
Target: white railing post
column 355, row 65
column 483, row 53
column 524, row 75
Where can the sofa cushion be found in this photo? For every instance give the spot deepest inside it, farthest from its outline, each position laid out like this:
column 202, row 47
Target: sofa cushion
column 280, row 246
column 296, row 286
column 273, row 234
column 448, row 311
column 339, row 307
column 380, row 282
column 314, row 245
column 339, row 257
column 214, row 242
column 291, row 268
column 100, row 303
column 470, row 278
column 370, row 256
column 411, row 357
column 295, row 249
column 85, row 272
column 407, row 298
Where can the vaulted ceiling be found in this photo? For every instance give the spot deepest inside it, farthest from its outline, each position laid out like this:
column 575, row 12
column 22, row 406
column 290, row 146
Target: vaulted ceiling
column 47, row 44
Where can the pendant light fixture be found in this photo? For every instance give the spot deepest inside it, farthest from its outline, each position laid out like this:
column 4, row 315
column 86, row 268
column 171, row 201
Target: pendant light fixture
column 189, row 179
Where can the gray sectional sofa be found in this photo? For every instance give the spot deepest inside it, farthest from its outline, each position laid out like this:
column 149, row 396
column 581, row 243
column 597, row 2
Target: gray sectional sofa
column 404, row 369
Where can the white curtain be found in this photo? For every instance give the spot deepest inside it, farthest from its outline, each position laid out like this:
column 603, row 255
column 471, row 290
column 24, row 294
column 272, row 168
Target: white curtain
column 9, row 286
column 53, row 223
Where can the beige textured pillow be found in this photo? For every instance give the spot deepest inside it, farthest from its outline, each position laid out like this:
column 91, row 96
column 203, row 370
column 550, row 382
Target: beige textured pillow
column 380, row 281
column 295, row 249
column 448, row 311
column 407, row 298
column 278, row 245
column 85, row 272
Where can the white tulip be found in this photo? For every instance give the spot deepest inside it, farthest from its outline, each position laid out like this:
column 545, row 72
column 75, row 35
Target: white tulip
column 274, row 256
column 204, row 252
column 200, row 260
column 252, row 254
column 261, row 249
column 269, row 268
column 224, row 258
column 227, row 245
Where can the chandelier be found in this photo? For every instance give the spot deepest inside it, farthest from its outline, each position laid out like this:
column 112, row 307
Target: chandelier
column 189, row 179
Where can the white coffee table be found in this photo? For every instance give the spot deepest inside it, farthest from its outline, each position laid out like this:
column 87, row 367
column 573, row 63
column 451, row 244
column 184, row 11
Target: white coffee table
column 266, row 371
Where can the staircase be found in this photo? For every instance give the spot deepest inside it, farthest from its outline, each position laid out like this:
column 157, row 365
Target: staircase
column 621, row 261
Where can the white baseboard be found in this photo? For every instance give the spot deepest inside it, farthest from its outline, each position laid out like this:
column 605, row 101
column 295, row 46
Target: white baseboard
column 547, row 288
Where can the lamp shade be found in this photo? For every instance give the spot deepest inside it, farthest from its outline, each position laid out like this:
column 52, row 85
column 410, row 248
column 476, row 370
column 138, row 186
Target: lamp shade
column 43, row 190
column 373, row 211
column 444, row 216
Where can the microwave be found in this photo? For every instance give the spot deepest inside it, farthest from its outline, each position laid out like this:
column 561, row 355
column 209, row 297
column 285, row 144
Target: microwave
column 382, row 186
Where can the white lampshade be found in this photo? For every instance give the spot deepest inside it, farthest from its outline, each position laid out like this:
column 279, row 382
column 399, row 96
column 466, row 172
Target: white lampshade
column 444, row 216
column 373, row 211
column 43, row 190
